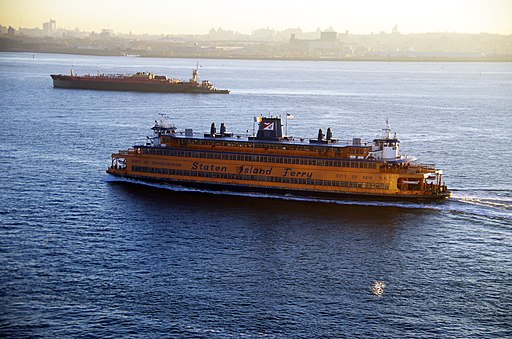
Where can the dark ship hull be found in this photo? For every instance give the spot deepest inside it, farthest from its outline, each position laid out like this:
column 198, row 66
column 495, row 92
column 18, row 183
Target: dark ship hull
column 140, row 82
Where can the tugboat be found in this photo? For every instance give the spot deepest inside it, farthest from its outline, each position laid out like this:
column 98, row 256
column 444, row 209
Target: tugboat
column 271, row 162
column 139, row 82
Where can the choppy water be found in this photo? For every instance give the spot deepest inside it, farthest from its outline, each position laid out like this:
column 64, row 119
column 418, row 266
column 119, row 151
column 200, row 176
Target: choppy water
column 82, row 254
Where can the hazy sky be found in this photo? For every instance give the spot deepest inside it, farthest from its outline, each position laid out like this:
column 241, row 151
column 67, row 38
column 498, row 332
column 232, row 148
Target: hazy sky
column 198, row 16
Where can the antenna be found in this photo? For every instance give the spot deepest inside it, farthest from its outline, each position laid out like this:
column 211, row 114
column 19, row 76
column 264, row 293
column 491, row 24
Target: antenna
column 387, row 129
column 195, row 73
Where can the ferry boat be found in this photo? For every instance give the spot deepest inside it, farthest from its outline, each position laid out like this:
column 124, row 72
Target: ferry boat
column 270, row 162
column 139, row 82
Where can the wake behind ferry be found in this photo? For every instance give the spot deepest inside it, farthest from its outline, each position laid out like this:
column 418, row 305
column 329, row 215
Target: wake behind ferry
column 271, row 162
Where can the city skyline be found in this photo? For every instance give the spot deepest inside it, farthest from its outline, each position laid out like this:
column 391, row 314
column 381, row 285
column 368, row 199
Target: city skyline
column 169, row 17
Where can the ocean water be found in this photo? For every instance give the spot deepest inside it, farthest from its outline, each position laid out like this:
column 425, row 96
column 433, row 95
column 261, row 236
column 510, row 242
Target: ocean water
column 84, row 255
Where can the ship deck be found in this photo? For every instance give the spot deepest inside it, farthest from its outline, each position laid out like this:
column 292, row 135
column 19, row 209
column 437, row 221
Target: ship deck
column 290, row 140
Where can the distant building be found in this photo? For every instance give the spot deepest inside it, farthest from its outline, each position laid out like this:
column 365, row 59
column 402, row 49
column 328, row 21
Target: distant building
column 328, row 36
column 107, row 33
column 49, row 27
column 327, row 46
column 10, row 31
column 395, row 30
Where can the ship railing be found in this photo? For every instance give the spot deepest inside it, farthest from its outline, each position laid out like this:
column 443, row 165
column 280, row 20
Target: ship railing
column 408, row 168
column 126, row 152
column 426, row 167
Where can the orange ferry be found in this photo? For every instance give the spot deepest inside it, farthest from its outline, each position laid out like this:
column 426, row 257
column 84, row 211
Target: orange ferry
column 270, row 162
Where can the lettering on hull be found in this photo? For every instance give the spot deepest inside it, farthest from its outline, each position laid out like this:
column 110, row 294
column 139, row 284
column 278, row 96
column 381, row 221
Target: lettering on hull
column 290, row 172
column 208, row 168
column 243, row 169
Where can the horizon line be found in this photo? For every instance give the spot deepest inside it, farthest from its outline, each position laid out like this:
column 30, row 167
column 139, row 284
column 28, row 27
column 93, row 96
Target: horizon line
column 319, row 29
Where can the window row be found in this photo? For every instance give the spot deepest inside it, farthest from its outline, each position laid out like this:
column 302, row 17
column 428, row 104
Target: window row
column 242, row 144
column 261, row 178
column 259, row 158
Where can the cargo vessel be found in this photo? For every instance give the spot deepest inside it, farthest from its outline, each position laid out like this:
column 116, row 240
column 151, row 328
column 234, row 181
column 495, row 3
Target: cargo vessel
column 270, row 162
column 139, row 82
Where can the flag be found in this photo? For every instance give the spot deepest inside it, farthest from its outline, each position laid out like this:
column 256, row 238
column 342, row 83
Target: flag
column 257, row 119
column 289, row 116
column 268, row 126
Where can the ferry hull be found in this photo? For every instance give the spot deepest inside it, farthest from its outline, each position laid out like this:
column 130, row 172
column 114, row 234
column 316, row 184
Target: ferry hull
column 340, row 195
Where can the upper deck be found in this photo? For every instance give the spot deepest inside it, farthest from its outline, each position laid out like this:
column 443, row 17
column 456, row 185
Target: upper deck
column 277, row 145
column 270, row 141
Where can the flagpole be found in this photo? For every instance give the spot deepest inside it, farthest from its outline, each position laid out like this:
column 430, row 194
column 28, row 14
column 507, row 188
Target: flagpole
column 286, row 128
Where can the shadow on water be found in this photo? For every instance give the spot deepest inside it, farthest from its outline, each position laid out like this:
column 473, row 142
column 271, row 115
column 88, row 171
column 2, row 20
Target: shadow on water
column 349, row 212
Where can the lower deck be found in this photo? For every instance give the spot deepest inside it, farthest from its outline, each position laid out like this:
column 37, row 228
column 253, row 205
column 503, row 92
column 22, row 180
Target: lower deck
column 300, row 178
